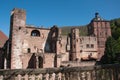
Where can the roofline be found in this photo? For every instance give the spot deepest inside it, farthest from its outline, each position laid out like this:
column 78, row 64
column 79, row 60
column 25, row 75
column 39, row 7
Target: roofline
column 38, row 28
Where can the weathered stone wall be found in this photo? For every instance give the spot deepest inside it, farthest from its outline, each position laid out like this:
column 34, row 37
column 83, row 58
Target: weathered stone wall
column 64, row 43
column 61, row 47
column 49, row 60
column 35, row 43
column 88, row 47
column 33, row 47
column 27, row 42
column 18, row 21
column 64, row 52
column 75, row 50
column 83, row 47
column 100, row 29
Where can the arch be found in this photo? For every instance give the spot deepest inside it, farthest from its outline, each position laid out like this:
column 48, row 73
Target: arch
column 35, row 33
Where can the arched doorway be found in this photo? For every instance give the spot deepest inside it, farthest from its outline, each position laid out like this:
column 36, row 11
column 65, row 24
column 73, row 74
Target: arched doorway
column 40, row 62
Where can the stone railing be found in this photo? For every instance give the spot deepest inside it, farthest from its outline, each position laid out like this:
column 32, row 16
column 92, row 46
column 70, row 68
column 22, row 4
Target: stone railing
column 101, row 72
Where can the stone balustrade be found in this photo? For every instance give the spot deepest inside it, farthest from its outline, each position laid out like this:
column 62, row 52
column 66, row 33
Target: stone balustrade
column 101, row 72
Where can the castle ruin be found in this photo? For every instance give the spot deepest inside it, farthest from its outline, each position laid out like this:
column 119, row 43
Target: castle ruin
column 37, row 47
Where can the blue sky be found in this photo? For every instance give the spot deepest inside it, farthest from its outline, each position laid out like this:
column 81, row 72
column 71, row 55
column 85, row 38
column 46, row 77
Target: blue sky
column 58, row 12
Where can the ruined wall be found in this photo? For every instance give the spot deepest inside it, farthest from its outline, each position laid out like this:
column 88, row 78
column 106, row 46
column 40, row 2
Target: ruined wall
column 26, row 58
column 35, row 43
column 88, row 47
column 83, row 47
column 32, row 44
column 43, row 48
column 26, row 41
column 18, row 21
column 64, row 44
column 48, row 60
column 64, row 52
column 75, row 50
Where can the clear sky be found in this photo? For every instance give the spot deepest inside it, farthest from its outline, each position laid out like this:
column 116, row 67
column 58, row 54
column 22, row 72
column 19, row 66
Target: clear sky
column 58, row 12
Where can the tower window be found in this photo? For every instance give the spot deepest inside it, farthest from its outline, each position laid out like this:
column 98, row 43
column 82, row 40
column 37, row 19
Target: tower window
column 92, row 46
column 87, row 46
column 35, row 33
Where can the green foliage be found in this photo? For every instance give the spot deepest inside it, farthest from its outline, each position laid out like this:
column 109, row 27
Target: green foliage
column 110, row 46
column 83, row 31
column 112, row 51
column 115, row 27
column 116, row 33
column 67, row 29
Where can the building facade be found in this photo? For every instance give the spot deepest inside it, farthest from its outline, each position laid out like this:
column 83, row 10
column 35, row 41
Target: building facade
column 35, row 47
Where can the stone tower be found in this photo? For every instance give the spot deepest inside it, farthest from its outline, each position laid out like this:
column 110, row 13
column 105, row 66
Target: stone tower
column 17, row 25
column 75, row 50
column 100, row 28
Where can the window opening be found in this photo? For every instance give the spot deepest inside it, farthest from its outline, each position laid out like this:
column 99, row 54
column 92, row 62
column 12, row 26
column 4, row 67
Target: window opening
column 29, row 50
column 35, row 33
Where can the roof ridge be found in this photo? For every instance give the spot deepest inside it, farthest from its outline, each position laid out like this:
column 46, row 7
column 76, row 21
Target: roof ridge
column 3, row 38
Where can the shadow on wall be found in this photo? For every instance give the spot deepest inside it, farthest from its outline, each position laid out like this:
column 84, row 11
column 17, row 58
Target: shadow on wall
column 47, row 47
column 35, row 62
column 50, row 45
column 32, row 62
column 1, row 59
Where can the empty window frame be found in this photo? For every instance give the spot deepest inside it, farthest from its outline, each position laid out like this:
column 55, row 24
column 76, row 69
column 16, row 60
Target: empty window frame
column 35, row 33
column 29, row 50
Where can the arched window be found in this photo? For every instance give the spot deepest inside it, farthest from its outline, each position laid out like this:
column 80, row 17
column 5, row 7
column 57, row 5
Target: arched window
column 35, row 33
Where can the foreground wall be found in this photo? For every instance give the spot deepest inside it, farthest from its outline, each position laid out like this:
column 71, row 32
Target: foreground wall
column 105, row 72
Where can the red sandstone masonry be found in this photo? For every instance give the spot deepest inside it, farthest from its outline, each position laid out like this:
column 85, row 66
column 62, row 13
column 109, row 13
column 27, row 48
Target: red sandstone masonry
column 33, row 47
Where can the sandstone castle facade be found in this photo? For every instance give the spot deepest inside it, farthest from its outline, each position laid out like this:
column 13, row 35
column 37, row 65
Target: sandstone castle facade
column 33, row 47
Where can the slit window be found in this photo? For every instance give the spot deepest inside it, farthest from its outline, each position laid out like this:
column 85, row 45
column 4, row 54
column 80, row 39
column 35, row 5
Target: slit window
column 29, row 50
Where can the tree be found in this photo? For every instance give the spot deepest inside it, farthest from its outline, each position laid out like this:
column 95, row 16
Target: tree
column 110, row 49
column 116, row 33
